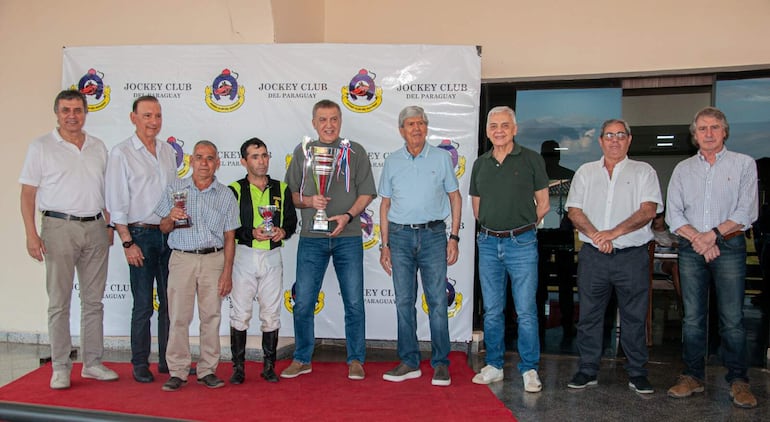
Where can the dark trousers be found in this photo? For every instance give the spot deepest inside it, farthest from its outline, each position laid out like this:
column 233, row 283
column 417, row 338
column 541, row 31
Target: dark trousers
column 153, row 273
column 627, row 271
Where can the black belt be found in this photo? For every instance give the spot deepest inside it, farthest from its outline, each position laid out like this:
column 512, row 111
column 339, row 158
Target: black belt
column 204, row 251
column 508, row 233
column 145, row 226
column 63, row 216
column 428, row 225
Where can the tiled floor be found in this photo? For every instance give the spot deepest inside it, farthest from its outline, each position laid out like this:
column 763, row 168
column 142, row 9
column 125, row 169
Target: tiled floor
column 611, row 400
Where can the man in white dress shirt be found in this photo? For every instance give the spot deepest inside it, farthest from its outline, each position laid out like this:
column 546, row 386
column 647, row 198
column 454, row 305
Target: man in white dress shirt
column 63, row 176
column 138, row 171
column 611, row 203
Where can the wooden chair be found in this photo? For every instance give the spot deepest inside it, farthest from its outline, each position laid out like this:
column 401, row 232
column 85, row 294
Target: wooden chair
column 660, row 284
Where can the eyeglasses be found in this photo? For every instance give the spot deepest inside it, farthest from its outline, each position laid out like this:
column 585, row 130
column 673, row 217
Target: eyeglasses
column 620, row 136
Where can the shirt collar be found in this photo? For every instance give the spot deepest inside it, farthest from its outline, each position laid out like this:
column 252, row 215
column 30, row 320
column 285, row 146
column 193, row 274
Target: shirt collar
column 138, row 144
column 719, row 155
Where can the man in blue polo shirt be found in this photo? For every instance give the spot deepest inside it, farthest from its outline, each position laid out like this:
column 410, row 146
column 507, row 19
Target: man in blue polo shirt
column 419, row 188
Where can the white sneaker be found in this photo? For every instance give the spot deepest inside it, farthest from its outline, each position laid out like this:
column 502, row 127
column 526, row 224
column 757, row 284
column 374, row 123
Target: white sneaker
column 60, row 379
column 99, row 372
column 488, row 374
column 532, row 382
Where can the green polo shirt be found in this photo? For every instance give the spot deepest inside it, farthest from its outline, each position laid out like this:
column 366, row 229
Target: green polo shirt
column 507, row 189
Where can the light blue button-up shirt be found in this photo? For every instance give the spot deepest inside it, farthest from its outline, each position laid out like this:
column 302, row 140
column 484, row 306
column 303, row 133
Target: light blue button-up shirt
column 704, row 195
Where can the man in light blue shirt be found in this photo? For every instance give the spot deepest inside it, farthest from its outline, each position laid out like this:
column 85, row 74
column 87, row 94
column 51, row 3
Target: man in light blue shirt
column 419, row 189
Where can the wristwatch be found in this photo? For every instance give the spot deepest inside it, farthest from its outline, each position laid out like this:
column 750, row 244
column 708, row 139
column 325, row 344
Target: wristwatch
column 384, row 245
column 128, row 244
column 718, row 233
column 455, row 237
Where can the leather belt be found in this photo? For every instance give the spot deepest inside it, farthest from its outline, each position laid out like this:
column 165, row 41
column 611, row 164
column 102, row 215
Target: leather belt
column 428, row 225
column 732, row 235
column 204, row 251
column 508, row 233
column 145, row 226
column 63, row 216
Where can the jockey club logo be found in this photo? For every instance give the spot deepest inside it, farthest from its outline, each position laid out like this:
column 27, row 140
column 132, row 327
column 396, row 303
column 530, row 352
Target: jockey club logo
column 182, row 159
column 361, row 94
column 458, row 161
column 225, row 95
column 92, row 86
column 370, row 232
column 289, row 297
column 454, row 299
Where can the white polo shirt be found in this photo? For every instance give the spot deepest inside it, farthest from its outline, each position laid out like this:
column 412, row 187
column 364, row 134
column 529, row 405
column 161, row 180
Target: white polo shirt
column 607, row 202
column 68, row 179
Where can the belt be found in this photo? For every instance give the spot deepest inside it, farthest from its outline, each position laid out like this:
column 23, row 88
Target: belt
column 508, row 233
column 63, row 216
column 732, row 235
column 204, row 251
column 428, row 225
column 145, row 226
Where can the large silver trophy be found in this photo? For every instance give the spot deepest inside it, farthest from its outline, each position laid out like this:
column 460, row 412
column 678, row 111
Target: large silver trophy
column 321, row 162
column 268, row 213
column 180, row 201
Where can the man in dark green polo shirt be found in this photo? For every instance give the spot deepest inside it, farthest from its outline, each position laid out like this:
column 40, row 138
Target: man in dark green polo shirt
column 509, row 192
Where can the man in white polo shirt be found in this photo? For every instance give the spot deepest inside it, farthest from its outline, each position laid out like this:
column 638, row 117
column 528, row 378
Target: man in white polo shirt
column 63, row 176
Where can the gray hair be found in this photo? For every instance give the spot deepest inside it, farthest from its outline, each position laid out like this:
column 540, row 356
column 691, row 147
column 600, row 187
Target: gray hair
column 409, row 112
column 710, row 112
column 613, row 121
column 208, row 144
column 502, row 109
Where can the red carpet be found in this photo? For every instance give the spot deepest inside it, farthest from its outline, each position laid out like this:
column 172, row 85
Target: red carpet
column 324, row 395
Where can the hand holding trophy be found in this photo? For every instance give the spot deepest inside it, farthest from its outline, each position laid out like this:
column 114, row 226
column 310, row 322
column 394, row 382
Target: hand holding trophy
column 268, row 213
column 321, row 162
column 180, row 201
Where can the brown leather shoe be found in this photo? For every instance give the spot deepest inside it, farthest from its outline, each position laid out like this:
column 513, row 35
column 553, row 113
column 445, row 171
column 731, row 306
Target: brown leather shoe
column 356, row 370
column 684, row 387
column 740, row 392
column 296, row 369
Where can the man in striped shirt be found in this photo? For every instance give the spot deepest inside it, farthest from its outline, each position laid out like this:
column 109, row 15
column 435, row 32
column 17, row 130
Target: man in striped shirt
column 712, row 199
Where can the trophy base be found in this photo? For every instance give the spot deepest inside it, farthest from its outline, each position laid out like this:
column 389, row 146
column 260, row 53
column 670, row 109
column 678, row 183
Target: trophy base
column 182, row 224
column 320, row 227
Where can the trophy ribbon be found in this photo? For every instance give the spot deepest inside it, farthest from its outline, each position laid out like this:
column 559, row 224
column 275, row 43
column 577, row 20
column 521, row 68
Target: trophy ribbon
column 343, row 162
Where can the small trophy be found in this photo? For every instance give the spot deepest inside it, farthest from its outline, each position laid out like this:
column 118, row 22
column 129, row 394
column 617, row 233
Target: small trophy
column 267, row 212
column 180, row 201
column 322, row 162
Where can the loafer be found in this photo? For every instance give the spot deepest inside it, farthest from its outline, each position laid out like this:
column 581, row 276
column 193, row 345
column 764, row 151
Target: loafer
column 173, row 384
column 211, row 381
column 488, row 375
column 143, row 374
column 356, row 371
column 740, row 392
column 99, row 372
column 402, row 372
column 60, row 379
column 296, row 369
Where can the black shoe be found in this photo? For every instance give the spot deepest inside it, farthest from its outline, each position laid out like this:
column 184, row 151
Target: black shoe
column 173, row 384
column 143, row 374
column 641, row 385
column 211, row 381
column 268, row 372
column 581, row 380
column 238, row 375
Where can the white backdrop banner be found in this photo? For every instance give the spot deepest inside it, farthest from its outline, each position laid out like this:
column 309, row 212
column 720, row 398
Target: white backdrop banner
column 229, row 93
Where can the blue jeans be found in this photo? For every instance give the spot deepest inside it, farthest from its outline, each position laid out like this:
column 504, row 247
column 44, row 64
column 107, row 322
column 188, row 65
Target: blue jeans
column 516, row 256
column 729, row 274
column 424, row 250
column 156, row 254
column 313, row 256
